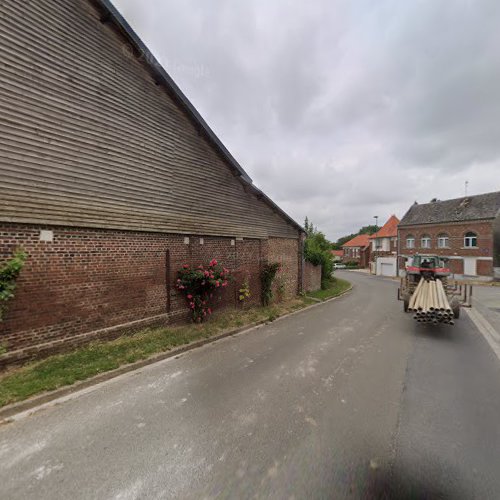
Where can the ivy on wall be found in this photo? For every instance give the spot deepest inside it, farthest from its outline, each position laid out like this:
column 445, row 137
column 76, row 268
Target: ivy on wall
column 267, row 276
column 8, row 275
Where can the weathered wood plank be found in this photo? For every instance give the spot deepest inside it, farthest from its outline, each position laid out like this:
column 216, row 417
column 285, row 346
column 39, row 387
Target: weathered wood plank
column 87, row 138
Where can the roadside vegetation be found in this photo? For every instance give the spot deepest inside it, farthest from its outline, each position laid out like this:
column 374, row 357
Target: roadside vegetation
column 372, row 229
column 336, row 286
column 99, row 357
column 317, row 251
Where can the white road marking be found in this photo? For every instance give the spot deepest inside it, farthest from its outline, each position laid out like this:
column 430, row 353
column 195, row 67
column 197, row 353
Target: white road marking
column 486, row 329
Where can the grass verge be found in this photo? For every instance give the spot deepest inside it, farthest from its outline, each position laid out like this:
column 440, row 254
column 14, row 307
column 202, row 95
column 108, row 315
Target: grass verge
column 336, row 287
column 66, row 369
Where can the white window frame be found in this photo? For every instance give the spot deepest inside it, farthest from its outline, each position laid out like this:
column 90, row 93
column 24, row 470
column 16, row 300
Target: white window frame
column 469, row 238
column 443, row 241
column 425, row 241
column 412, row 239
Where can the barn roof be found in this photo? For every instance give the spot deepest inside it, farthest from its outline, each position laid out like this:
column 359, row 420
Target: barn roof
column 110, row 14
column 467, row 208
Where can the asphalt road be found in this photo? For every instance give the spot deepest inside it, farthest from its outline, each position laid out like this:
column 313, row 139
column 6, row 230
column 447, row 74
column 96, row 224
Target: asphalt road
column 350, row 399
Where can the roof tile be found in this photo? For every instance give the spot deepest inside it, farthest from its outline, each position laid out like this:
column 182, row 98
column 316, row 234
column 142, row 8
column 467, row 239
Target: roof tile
column 361, row 240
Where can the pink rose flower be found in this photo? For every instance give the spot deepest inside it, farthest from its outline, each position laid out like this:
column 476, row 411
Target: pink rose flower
column 189, row 296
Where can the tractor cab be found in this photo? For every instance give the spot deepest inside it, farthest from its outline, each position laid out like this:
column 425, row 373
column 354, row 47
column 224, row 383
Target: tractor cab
column 428, row 266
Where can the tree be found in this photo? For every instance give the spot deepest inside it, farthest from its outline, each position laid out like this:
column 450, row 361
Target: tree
column 364, row 230
column 317, row 251
column 369, row 229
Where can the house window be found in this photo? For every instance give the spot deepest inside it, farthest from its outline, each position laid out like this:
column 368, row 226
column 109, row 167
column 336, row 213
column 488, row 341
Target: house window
column 443, row 241
column 470, row 240
column 410, row 241
column 425, row 242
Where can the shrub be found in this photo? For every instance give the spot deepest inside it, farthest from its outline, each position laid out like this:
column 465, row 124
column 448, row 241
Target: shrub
column 352, row 263
column 317, row 252
column 267, row 276
column 8, row 275
column 199, row 285
column 244, row 290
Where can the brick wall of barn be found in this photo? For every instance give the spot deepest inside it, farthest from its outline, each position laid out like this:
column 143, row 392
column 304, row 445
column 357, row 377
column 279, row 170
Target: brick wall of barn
column 312, row 277
column 88, row 284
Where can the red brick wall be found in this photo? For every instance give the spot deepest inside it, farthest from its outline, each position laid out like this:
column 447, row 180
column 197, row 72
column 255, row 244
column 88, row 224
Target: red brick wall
column 455, row 232
column 352, row 254
column 485, row 267
column 312, row 277
column 90, row 283
column 285, row 251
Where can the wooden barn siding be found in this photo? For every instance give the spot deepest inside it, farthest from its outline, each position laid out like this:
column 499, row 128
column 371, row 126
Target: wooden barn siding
column 87, row 138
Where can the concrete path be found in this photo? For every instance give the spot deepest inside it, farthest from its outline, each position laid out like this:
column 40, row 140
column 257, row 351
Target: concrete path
column 351, row 399
column 487, row 300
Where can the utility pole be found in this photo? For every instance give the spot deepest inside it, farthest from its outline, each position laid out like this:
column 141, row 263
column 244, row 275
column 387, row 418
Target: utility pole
column 466, row 186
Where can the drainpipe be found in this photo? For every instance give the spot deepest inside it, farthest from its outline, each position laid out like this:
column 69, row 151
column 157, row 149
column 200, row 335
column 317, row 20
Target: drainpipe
column 398, row 256
column 301, row 263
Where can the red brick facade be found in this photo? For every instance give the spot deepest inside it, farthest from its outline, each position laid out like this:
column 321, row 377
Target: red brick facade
column 88, row 284
column 455, row 250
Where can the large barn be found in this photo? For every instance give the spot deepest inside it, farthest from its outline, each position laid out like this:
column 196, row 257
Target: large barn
column 110, row 181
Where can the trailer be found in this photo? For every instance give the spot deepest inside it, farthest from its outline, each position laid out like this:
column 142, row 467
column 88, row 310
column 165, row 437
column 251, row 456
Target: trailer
column 426, row 291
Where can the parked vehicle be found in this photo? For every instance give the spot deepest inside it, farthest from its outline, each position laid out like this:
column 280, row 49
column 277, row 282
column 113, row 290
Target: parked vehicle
column 339, row 265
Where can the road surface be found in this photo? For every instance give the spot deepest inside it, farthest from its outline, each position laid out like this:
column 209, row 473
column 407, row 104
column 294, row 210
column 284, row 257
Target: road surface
column 350, row 399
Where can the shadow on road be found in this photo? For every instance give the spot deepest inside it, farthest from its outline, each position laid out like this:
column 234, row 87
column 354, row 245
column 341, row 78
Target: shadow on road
column 445, row 333
column 418, row 481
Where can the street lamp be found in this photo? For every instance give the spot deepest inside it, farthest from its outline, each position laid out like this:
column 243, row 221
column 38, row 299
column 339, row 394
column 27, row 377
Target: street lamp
column 376, row 220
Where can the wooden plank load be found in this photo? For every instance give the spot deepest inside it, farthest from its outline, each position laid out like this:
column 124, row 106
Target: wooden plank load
column 430, row 303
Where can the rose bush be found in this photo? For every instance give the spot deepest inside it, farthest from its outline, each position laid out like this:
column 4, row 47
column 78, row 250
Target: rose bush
column 199, row 286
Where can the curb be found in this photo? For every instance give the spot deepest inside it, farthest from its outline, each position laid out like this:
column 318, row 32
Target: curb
column 9, row 411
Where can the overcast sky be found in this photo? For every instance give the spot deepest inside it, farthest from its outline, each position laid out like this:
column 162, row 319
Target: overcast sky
column 341, row 109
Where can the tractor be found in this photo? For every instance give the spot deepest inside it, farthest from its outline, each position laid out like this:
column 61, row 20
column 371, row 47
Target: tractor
column 430, row 267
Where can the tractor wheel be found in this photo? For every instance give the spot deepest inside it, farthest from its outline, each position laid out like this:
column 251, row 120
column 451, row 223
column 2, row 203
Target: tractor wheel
column 456, row 312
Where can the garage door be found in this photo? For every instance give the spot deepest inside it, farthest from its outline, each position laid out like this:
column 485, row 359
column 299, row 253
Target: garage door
column 386, row 269
column 386, row 266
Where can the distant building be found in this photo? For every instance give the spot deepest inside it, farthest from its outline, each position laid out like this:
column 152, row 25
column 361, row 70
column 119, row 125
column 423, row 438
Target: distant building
column 337, row 255
column 384, row 248
column 466, row 230
column 357, row 250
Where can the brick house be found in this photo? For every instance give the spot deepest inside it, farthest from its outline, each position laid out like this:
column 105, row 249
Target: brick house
column 384, row 242
column 357, row 250
column 466, row 230
column 337, row 255
column 111, row 180
column 384, row 248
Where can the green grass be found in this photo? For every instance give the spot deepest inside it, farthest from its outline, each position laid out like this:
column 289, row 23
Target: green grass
column 336, row 287
column 98, row 357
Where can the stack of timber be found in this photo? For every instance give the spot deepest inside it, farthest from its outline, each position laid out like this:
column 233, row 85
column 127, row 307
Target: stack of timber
column 430, row 303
